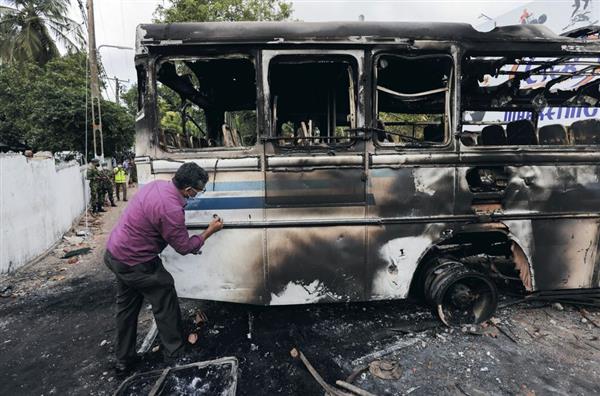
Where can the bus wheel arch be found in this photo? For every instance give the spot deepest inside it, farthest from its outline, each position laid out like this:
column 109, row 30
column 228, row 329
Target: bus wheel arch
column 455, row 264
column 458, row 294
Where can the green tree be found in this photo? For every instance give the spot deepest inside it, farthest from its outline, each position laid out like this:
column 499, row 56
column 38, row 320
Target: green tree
column 223, row 10
column 44, row 107
column 15, row 86
column 130, row 98
column 30, row 29
column 169, row 103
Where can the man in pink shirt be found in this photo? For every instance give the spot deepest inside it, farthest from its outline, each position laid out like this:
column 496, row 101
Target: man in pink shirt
column 153, row 219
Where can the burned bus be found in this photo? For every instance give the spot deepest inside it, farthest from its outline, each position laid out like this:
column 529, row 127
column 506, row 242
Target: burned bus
column 377, row 161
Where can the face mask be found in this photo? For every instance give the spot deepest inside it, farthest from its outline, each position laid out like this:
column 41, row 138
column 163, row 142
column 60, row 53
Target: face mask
column 190, row 196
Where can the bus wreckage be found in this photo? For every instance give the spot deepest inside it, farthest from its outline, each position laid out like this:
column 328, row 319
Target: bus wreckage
column 377, row 161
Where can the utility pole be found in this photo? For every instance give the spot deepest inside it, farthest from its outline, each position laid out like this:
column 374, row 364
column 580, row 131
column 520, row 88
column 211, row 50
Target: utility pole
column 118, row 87
column 94, row 83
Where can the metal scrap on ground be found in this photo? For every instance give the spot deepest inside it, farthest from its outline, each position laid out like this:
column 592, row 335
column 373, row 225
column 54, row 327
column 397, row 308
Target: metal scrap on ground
column 214, row 377
column 385, row 369
column 77, row 252
column 329, row 389
column 384, row 352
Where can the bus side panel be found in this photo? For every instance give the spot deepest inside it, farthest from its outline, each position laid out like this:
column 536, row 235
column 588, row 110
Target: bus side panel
column 543, row 189
column 562, row 249
column 395, row 251
column 401, row 196
column 564, row 252
column 411, row 191
column 316, row 240
column 231, row 266
column 564, row 255
column 316, row 264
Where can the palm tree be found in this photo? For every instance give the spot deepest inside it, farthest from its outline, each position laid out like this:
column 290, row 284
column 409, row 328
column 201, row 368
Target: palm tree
column 31, row 29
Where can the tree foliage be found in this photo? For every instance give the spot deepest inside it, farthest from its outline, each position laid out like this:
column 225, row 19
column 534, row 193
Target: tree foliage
column 223, row 10
column 170, row 104
column 44, row 107
column 130, row 98
column 30, row 29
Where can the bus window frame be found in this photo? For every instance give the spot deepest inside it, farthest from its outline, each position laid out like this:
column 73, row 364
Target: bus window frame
column 252, row 56
column 523, row 148
column 142, row 87
column 451, row 98
column 357, row 57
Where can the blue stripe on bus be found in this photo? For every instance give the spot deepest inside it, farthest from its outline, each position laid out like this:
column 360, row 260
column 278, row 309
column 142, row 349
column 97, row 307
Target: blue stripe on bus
column 251, row 203
column 226, row 203
column 260, row 185
column 299, row 184
column 236, row 186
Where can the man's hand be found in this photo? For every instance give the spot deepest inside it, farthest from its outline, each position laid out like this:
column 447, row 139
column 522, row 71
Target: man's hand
column 215, row 225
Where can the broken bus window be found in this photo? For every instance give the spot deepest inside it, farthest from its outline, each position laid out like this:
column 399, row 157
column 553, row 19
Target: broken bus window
column 206, row 103
column 313, row 100
column 412, row 99
column 535, row 101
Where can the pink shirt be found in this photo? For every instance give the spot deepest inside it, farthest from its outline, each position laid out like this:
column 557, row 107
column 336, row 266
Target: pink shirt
column 153, row 218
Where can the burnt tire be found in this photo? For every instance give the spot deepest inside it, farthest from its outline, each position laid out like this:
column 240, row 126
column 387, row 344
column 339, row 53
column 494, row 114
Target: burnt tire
column 459, row 295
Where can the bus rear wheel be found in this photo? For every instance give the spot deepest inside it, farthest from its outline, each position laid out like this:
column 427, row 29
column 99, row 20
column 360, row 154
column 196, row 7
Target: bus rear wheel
column 460, row 295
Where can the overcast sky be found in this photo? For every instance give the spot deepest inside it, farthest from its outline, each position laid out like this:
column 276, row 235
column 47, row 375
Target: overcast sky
column 116, row 19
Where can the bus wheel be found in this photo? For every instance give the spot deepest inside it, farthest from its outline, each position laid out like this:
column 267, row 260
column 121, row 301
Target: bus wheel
column 459, row 295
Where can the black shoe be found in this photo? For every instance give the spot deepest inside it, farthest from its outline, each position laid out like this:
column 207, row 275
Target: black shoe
column 101, row 210
column 177, row 361
column 113, row 204
column 126, row 367
column 123, row 369
column 180, row 357
column 152, row 359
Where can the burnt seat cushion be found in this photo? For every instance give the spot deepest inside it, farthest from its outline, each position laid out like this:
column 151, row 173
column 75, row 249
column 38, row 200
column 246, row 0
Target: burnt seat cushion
column 521, row 133
column 493, row 135
column 553, row 135
column 586, row 132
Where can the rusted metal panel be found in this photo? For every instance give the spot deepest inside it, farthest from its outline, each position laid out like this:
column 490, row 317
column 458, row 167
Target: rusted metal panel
column 539, row 189
column 310, row 264
column 411, row 191
column 394, row 252
column 564, row 255
column 316, row 188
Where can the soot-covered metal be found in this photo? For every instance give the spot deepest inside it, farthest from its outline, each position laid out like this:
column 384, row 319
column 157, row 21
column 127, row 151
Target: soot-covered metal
column 344, row 172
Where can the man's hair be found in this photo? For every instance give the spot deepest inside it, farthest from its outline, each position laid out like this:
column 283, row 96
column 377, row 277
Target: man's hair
column 189, row 174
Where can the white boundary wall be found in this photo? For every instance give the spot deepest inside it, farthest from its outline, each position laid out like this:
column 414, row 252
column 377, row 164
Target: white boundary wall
column 38, row 204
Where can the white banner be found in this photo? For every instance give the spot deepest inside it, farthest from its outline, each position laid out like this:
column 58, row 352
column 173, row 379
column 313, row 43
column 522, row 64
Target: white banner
column 559, row 16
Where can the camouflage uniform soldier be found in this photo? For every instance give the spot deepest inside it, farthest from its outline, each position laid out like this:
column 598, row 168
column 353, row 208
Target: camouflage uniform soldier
column 93, row 175
column 106, row 186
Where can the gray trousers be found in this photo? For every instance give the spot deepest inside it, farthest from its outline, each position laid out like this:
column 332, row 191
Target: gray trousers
column 121, row 186
column 150, row 281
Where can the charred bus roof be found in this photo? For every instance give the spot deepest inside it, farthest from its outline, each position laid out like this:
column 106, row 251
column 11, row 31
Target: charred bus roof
column 335, row 32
